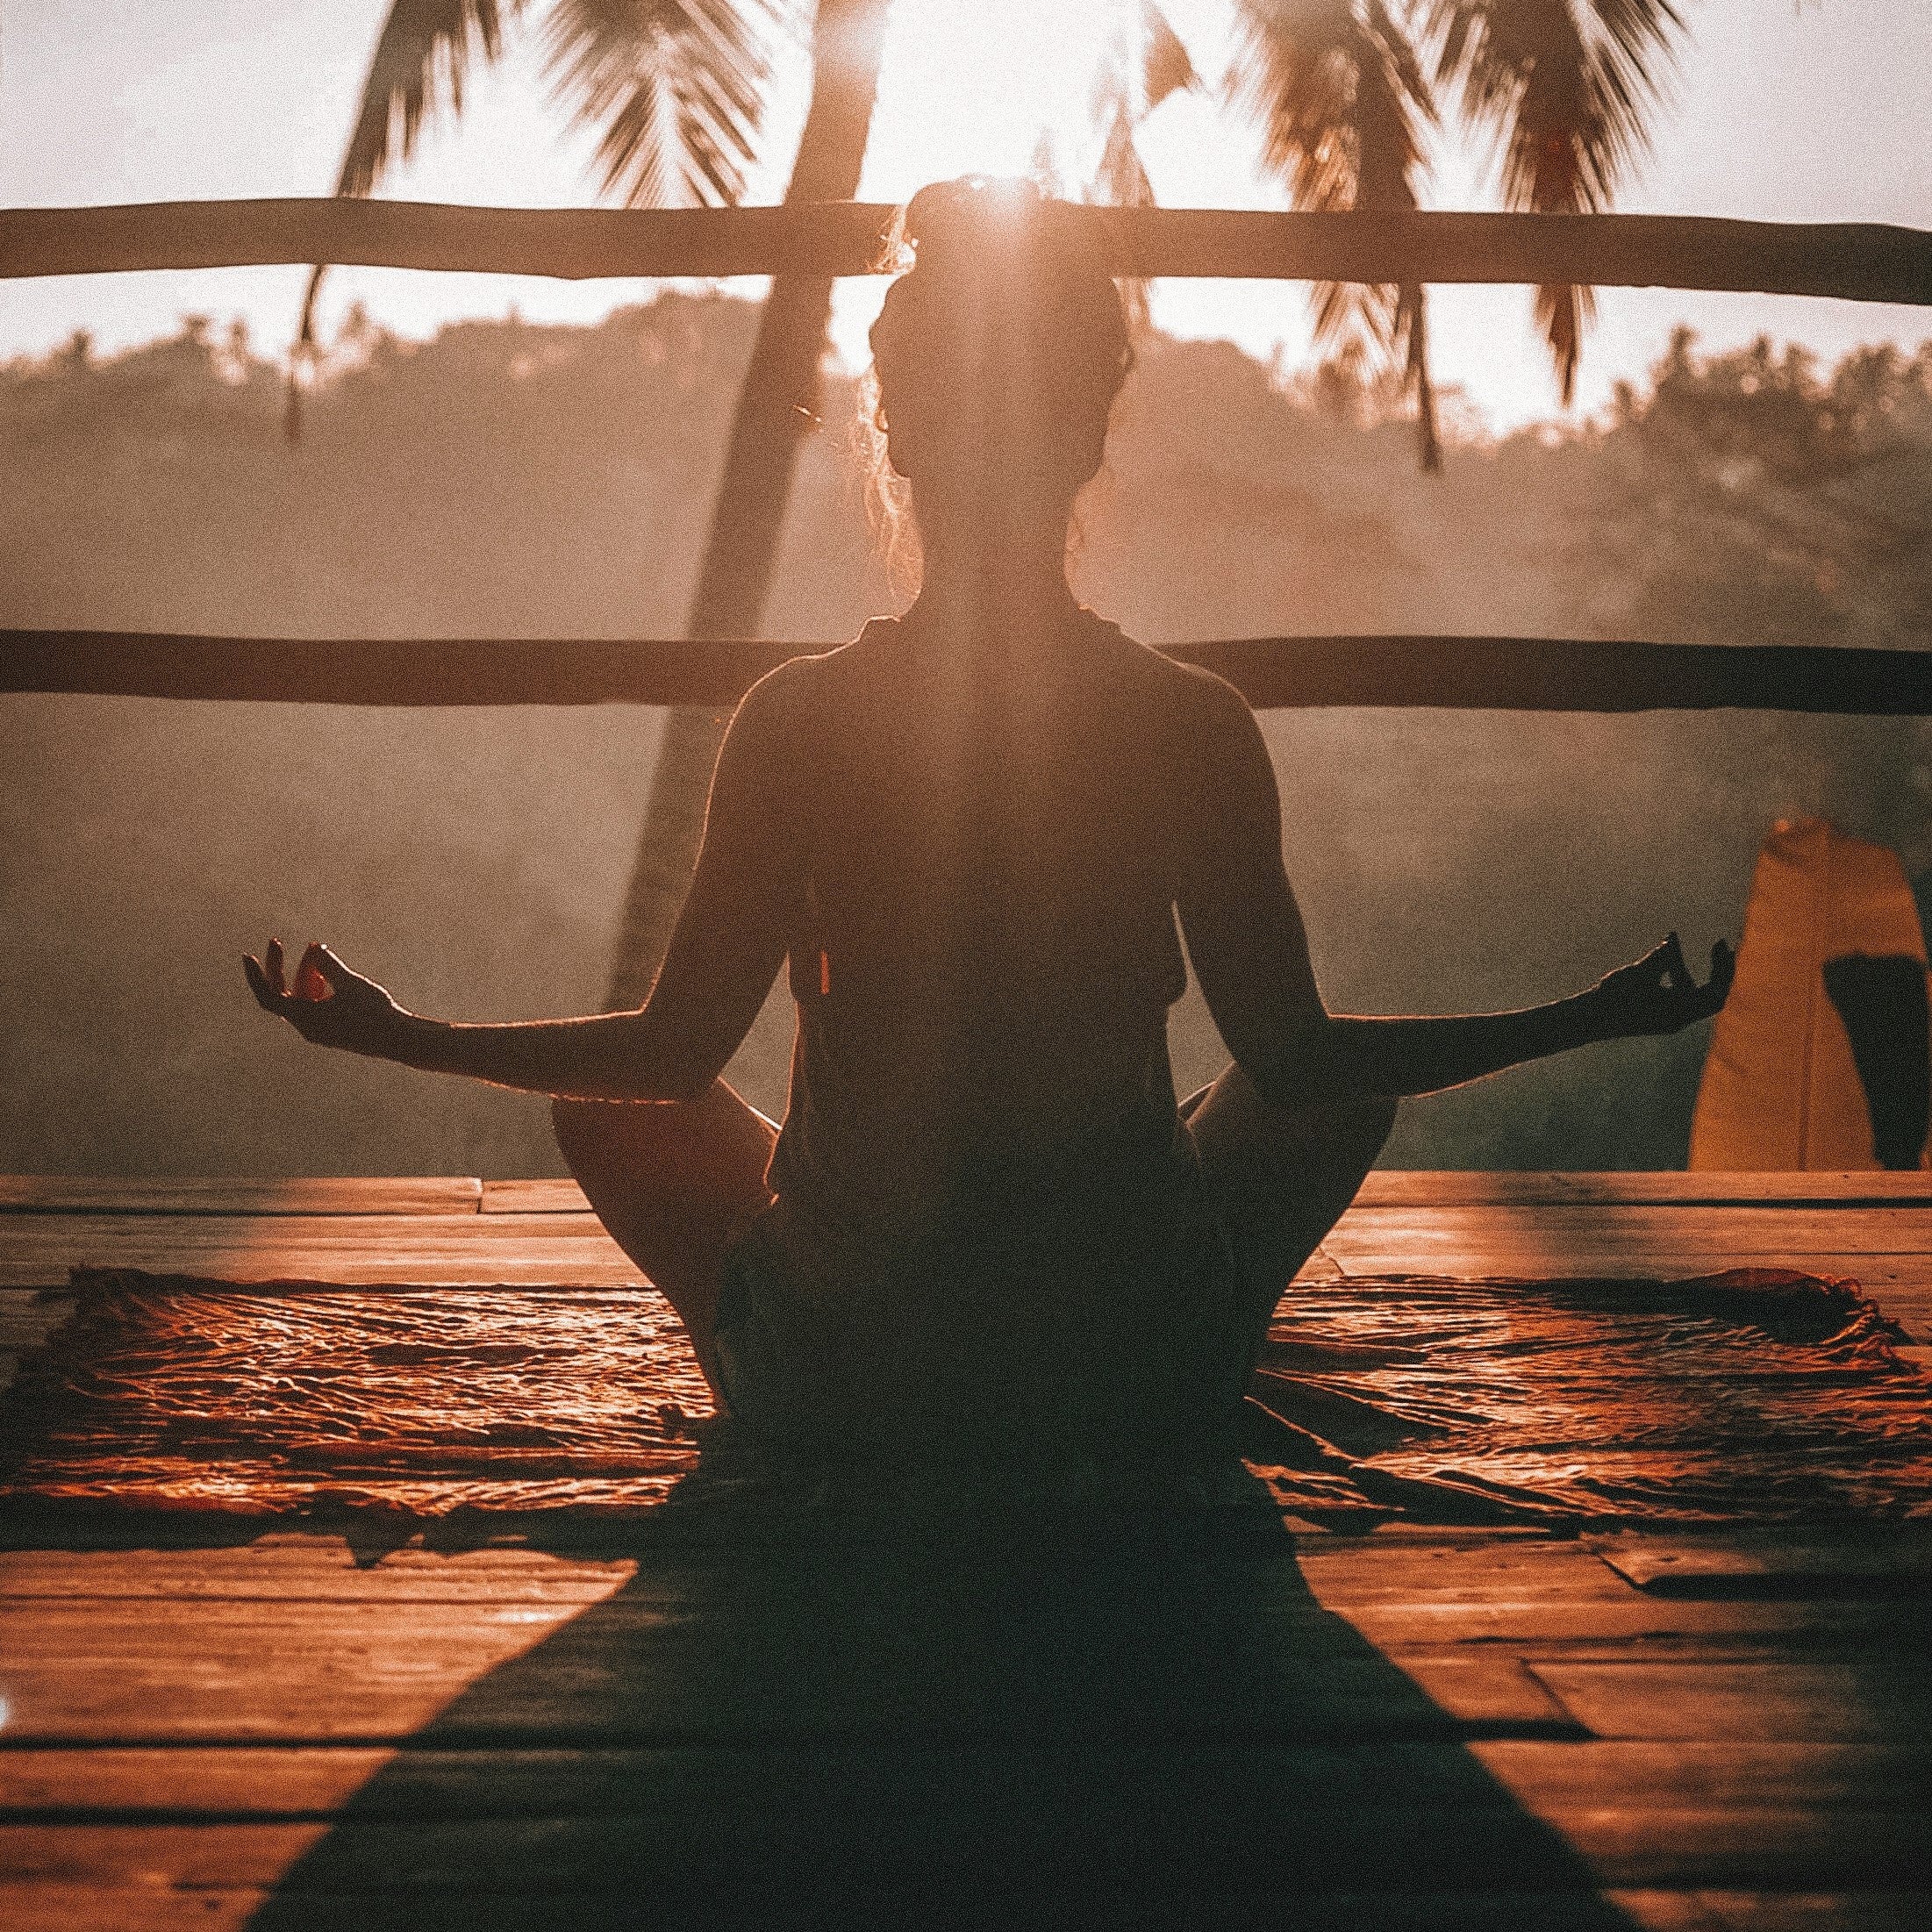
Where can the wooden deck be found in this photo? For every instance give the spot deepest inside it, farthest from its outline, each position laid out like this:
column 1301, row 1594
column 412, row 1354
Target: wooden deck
column 1405, row 1730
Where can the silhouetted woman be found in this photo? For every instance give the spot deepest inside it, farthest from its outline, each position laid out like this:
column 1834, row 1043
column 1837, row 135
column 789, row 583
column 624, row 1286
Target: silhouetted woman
column 984, row 1232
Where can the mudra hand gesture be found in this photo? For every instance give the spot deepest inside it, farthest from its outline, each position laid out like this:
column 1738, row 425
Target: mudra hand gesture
column 328, row 1004
column 1657, row 994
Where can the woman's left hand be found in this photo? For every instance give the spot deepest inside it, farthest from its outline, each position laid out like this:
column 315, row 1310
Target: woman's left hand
column 1656, row 995
column 328, row 1004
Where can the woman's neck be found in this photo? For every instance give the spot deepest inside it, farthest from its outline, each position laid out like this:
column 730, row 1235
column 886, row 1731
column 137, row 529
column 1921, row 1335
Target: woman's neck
column 999, row 590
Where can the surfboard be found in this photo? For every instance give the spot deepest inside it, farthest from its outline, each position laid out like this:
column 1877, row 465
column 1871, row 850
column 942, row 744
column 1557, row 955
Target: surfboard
column 1781, row 1088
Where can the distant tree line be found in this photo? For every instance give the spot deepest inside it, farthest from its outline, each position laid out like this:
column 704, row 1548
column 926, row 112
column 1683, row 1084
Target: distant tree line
column 510, row 477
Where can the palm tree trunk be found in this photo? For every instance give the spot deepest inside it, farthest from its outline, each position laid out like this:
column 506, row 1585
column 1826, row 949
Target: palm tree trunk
column 776, row 408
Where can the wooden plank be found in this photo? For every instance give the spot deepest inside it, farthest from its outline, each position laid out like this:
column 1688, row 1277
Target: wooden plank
column 1740, row 1231
column 662, row 1854
column 224, row 1195
column 1493, row 1695
column 851, row 1656
column 350, row 1249
column 1882, row 1700
column 1532, row 1596
column 1419, row 1187
column 1705, row 1909
column 309, row 1267
column 181, row 1783
column 1776, row 1560
column 565, row 1251
column 411, row 1635
column 1705, row 1628
column 1452, row 672
column 285, row 1568
column 1853, row 261
column 70, row 1908
column 70, row 1701
column 456, row 1234
column 1384, row 1188
column 838, row 238
column 1474, row 1567
column 77, row 1908
column 533, row 1196
column 58, row 1907
column 1783, row 1775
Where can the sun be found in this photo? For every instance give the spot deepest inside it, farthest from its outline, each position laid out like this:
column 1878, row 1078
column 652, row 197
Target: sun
column 996, row 87
column 986, row 89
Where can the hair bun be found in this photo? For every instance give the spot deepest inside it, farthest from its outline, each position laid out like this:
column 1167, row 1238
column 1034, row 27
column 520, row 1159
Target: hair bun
column 951, row 221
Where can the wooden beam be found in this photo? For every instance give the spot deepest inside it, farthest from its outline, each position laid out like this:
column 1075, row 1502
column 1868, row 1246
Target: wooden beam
column 1860, row 262
column 1273, row 673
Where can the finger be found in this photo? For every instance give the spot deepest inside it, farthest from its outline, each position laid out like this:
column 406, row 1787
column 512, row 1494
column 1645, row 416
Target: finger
column 258, row 983
column 329, row 966
column 310, row 981
column 271, row 964
column 1655, row 966
column 1710, row 996
column 1677, row 974
column 1723, row 969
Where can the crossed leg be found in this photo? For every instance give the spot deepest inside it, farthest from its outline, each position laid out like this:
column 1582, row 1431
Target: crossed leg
column 1281, row 1178
column 673, row 1182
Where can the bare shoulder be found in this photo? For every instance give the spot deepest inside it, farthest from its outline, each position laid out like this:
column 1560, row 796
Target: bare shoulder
column 781, row 702
column 1204, row 708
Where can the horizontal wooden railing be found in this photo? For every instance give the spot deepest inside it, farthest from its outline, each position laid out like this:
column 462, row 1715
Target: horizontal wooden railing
column 1859, row 261
column 1273, row 673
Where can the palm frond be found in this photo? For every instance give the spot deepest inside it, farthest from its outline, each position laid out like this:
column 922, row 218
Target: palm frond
column 1142, row 62
column 1341, row 100
column 677, row 87
column 1120, row 176
column 422, row 55
column 1569, row 88
column 1166, row 67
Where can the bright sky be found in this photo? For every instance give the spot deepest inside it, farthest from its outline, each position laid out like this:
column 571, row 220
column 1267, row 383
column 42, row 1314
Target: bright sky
column 1811, row 110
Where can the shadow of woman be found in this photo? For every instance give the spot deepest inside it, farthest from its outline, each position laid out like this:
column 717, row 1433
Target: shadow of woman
column 1015, row 1723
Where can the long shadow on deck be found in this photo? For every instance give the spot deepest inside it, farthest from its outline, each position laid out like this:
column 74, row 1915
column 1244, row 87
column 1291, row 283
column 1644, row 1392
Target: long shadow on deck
column 1126, row 1724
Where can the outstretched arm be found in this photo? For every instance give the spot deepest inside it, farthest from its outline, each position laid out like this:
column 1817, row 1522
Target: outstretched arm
column 724, row 952
column 1250, row 952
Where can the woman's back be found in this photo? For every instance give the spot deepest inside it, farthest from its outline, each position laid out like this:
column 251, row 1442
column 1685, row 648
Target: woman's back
column 984, row 948
column 982, row 1175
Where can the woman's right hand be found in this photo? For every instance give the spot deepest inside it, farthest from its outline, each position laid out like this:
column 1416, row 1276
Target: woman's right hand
column 328, row 1004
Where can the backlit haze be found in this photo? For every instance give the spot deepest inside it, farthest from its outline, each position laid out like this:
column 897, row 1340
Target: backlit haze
column 1780, row 111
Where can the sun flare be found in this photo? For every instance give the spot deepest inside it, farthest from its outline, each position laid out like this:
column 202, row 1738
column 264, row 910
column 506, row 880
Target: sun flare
column 990, row 89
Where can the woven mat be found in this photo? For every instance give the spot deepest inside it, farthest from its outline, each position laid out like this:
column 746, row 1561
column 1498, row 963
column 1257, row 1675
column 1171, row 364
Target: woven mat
column 1750, row 1395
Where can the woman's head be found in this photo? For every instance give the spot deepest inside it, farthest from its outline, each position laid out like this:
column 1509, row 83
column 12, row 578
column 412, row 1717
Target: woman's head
column 999, row 353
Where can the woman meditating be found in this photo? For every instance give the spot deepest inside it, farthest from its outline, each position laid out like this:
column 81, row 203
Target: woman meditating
column 985, row 1232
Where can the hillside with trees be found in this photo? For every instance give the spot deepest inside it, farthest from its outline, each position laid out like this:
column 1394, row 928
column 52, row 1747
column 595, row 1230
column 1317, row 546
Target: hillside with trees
column 511, row 480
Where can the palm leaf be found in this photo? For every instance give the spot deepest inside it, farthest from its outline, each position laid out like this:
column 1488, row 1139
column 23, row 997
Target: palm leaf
column 1165, row 65
column 1340, row 101
column 677, row 87
column 1569, row 87
column 422, row 53
column 1142, row 63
